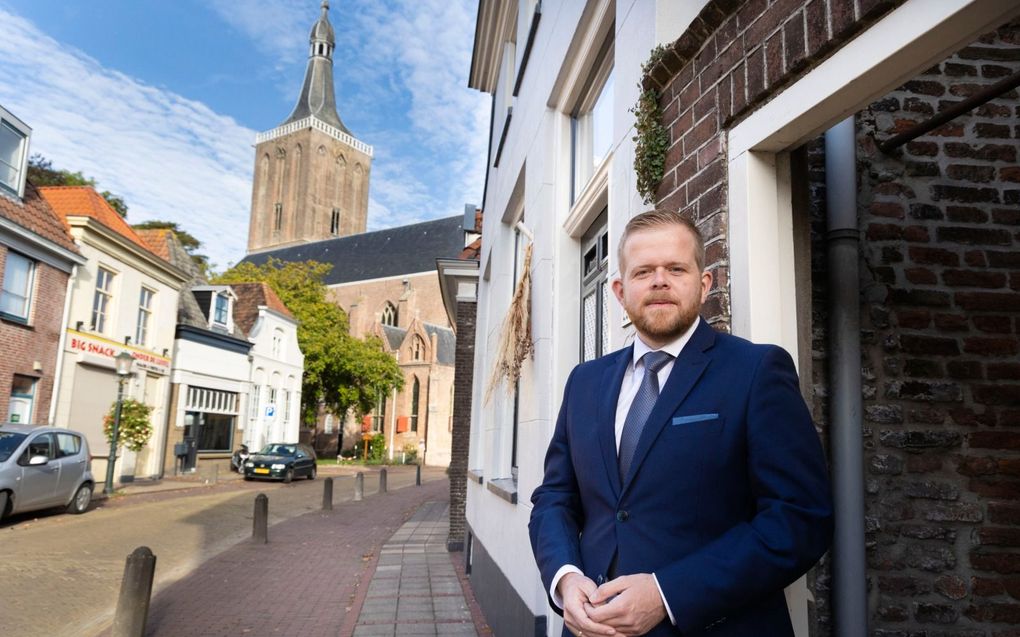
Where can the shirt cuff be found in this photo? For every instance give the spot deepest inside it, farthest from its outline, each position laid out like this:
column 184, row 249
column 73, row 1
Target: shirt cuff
column 664, row 602
column 564, row 570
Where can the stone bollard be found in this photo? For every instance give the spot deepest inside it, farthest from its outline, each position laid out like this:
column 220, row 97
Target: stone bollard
column 327, row 494
column 260, row 526
column 382, row 480
column 135, row 592
column 417, row 476
column 359, row 487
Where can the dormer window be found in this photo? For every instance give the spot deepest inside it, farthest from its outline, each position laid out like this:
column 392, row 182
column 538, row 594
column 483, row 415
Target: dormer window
column 221, row 310
column 14, row 137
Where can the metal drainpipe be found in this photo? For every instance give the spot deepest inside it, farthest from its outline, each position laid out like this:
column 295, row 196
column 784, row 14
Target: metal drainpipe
column 849, row 590
column 61, row 343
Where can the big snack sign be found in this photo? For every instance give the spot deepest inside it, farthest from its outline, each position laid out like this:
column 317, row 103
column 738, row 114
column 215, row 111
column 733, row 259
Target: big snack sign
column 89, row 346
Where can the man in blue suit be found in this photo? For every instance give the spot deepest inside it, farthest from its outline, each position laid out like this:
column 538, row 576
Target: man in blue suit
column 684, row 511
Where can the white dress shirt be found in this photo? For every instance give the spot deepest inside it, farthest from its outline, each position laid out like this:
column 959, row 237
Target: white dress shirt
column 632, row 378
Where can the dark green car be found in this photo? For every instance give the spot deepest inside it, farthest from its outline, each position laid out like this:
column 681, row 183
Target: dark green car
column 281, row 461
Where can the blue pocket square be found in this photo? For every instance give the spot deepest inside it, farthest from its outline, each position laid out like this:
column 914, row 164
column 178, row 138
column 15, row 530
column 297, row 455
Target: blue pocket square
column 683, row 420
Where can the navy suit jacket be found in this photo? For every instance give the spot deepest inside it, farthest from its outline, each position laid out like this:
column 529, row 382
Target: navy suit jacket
column 727, row 500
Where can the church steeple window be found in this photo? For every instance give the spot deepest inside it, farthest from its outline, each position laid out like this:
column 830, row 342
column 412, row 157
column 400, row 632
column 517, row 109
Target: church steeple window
column 334, row 223
column 277, row 217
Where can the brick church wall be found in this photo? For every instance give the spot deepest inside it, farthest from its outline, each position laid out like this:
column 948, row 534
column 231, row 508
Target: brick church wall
column 940, row 318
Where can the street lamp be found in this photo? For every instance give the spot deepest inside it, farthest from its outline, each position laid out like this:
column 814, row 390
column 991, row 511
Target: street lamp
column 124, row 361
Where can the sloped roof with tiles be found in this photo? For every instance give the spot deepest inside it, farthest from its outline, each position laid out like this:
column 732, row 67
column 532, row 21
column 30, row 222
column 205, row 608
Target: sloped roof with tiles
column 249, row 297
column 158, row 240
column 373, row 255
column 84, row 201
column 35, row 214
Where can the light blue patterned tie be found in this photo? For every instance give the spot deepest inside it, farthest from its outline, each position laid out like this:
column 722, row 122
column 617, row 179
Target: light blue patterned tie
column 640, row 409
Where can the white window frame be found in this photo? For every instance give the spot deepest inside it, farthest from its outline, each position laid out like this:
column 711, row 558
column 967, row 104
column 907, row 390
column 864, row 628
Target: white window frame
column 27, row 294
column 19, row 168
column 216, row 309
column 594, row 96
column 102, row 293
column 145, row 298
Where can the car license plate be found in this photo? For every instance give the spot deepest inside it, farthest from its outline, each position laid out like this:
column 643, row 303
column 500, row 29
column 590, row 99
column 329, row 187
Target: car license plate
column 262, row 471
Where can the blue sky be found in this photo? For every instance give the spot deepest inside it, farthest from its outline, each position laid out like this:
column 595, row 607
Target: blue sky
column 160, row 101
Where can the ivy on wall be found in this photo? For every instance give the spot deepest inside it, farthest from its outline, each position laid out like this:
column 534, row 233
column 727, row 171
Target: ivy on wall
column 651, row 138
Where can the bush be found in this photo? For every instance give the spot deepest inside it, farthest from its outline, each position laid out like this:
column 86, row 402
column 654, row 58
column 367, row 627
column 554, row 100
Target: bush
column 410, row 453
column 377, row 448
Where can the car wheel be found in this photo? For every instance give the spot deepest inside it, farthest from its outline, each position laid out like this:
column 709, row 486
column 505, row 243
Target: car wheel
column 311, row 474
column 81, row 500
column 4, row 499
column 247, row 478
column 288, row 477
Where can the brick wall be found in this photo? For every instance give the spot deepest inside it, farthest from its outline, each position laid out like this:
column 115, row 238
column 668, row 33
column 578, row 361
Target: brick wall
column 940, row 319
column 734, row 57
column 461, row 443
column 37, row 341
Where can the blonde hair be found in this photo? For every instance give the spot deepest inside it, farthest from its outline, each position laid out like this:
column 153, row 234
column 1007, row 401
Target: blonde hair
column 656, row 219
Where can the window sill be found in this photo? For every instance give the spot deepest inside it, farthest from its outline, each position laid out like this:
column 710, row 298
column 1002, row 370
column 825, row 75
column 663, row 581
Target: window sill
column 505, row 488
column 475, row 475
column 15, row 320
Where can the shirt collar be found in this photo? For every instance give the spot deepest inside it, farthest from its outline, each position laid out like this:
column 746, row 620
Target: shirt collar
column 673, row 348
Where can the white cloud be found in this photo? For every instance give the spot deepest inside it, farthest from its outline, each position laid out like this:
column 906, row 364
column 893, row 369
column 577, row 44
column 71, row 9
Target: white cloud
column 169, row 157
column 401, row 72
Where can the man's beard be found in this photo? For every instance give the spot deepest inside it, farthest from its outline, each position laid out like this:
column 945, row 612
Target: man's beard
column 665, row 323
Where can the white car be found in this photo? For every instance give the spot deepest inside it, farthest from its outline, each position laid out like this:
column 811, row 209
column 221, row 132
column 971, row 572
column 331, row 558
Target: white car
column 43, row 467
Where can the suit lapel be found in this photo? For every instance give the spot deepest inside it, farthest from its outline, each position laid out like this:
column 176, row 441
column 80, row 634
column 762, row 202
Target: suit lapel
column 687, row 370
column 612, row 378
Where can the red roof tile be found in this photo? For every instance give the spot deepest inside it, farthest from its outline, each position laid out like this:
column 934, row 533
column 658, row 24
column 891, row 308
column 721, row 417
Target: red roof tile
column 35, row 214
column 84, row 201
column 156, row 240
column 249, row 297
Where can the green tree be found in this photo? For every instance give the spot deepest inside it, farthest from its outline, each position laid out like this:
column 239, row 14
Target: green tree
column 42, row 173
column 341, row 372
column 188, row 241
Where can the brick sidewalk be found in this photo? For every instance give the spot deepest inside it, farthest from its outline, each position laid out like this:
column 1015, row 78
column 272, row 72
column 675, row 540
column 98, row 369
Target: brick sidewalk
column 312, row 576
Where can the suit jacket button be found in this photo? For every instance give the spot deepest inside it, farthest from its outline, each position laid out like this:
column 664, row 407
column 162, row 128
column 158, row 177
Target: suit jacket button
column 622, row 516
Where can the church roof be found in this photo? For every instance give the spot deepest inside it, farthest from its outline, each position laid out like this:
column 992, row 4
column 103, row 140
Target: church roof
column 374, row 255
column 446, row 340
column 318, row 97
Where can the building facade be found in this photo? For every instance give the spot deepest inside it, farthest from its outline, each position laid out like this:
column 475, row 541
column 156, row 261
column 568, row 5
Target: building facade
column 119, row 299
column 38, row 259
column 386, row 282
column 883, row 272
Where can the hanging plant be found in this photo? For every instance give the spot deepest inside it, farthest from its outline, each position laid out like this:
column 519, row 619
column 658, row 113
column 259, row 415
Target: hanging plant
column 135, row 427
column 515, row 343
column 652, row 138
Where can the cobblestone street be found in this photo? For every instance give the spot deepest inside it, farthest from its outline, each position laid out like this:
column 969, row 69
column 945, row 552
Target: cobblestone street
column 63, row 572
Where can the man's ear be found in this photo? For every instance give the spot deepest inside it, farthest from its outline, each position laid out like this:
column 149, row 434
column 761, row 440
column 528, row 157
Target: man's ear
column 618, row 290
column 706, row 284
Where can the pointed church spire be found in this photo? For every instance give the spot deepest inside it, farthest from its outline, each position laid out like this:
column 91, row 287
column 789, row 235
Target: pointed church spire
column 317, row 95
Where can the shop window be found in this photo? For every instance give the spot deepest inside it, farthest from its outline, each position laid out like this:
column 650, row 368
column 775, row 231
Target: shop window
column 209, row 418
column 22, row 401
column 16, row 295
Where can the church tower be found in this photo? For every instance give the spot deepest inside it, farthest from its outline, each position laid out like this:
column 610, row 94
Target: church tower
column 311, row 174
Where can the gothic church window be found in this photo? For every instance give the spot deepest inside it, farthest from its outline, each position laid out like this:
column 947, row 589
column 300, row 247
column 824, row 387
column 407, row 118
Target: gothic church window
column 415, row 391
column 334, row 223
column 389, row 315
column 277, row 216
column 418, row 348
